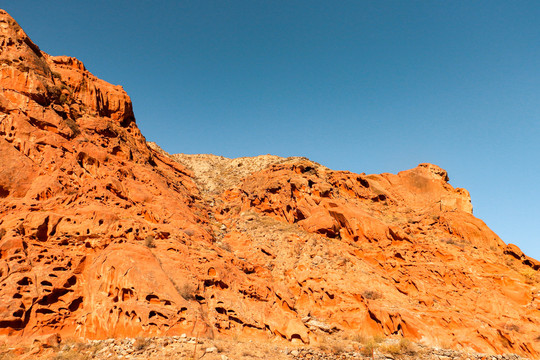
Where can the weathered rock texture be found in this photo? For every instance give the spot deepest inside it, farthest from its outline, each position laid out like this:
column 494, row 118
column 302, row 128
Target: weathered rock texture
column 103, row 235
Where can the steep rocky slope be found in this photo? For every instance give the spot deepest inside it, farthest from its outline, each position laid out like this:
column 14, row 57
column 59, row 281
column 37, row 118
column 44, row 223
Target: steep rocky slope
column 104, row 235
column 80, row 194
column 392, row 254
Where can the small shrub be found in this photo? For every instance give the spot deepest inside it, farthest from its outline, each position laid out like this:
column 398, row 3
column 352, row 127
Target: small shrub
column 187, row 291
column 225, row 246
column 359, row 338
column 392, row 349
column 378, row 338
column 452, row 241
column 141, row 344
column 510, row 263
column 512, row 327
column 371, row 294
column 403, row 347
column 338, row 348
column 531, row 276
column 342, row 261
column 149, row 242
column 406, row 347
column 368, row 348
column 74, row 127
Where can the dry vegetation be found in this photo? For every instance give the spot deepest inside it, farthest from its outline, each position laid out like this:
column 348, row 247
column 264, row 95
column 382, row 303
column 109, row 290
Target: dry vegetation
column 403, row 347
column 371, row 294
column 149, row 242
column 530, row 275
column 330, row 347
column 187, row 291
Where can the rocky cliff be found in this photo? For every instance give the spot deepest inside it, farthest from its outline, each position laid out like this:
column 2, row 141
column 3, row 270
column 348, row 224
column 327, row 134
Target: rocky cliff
column 105, row 235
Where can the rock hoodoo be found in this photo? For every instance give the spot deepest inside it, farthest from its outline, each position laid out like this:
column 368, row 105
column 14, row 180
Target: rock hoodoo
column 105, row 235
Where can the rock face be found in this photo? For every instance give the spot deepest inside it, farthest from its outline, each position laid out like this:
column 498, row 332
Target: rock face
column 104, row 235
column 81, row 193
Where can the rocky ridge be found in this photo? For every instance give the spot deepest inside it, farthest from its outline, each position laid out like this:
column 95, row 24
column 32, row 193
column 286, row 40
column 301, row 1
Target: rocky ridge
column 103, row 235
column 214, row 174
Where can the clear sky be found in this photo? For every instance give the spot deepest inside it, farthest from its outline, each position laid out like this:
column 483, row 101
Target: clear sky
column 365, row 86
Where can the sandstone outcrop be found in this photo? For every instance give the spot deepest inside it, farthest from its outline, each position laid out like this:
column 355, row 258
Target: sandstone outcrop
column 105, row 235
column 81, row 191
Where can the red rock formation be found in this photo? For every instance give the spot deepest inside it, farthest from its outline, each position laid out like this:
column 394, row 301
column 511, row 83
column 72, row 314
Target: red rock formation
column 401, row 254
column 78, row 180
column 102, row 235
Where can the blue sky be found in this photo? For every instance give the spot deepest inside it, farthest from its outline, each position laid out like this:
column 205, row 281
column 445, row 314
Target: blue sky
column 365, row 86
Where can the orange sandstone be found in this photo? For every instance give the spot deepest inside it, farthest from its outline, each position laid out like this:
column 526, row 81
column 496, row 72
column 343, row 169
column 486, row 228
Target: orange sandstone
column 104, row 235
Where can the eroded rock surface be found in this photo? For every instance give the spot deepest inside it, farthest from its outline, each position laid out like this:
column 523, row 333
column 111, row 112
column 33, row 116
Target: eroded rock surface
column 104, row 235
column 81, row 192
